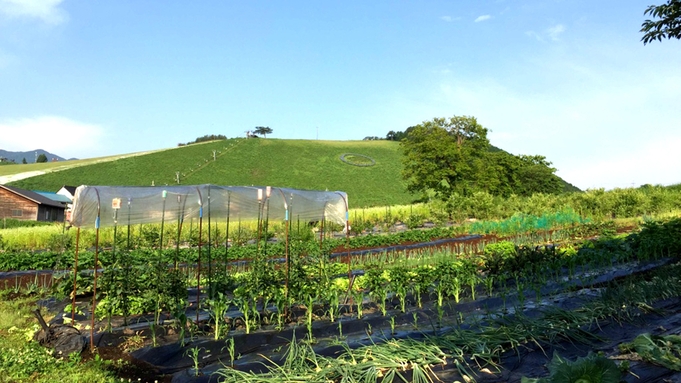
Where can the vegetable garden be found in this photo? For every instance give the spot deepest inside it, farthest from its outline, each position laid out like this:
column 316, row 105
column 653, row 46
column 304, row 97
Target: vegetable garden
column 272, row 297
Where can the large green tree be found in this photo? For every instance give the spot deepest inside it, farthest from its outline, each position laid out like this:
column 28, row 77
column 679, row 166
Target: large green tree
column 41, row 158
column 667, row 25
column 445, row 155
column 453, row 155
column 535, row 175
column 505, row 174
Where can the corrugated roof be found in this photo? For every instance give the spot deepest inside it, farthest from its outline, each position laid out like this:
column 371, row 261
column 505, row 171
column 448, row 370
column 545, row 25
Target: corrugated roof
column 54, row 196
column 33, row 196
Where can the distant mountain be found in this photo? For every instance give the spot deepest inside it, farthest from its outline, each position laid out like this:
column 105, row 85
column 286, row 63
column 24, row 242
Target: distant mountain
column 30, row 156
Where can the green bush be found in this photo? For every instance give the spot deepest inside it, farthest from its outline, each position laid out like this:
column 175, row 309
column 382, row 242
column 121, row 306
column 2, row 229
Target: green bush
column 9, row 223
column 497, row 255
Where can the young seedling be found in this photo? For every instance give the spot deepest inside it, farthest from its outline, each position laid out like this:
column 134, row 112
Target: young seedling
column 193, row 353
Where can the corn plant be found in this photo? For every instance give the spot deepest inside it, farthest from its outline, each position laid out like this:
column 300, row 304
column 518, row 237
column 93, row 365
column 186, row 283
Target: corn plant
column 423, row 279
column 399, row 283
column 194, row 353
column 218, row 307
column 377, row 283
column 247, row 303
column 358, row 296
column 332, row 296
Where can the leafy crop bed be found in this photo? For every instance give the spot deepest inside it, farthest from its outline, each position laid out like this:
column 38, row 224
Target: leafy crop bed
column 490, row 313
column 481, row 308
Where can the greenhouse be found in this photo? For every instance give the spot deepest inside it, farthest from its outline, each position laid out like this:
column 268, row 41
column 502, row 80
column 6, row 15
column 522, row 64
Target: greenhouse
column 102, row 206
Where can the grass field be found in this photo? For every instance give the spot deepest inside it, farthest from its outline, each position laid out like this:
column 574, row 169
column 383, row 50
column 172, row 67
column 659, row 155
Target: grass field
column 12, row 171
column 301, row 164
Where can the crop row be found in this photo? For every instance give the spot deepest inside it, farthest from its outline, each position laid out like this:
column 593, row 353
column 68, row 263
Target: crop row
column 180, row 244
column 270, row 293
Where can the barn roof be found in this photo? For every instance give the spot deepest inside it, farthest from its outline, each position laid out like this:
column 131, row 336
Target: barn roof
column 33, row 196
column 55, row 197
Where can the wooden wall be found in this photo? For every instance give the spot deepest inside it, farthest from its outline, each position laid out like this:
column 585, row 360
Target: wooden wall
column 10, row 201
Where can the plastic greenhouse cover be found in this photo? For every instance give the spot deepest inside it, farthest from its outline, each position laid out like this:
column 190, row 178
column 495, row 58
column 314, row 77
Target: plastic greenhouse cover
column 109, row 205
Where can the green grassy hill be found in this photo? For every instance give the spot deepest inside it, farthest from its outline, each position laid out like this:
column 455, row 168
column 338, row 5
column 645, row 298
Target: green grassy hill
column 301, row 164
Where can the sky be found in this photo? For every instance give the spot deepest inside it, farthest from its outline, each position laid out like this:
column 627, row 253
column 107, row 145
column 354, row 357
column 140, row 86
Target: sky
column 566, row 79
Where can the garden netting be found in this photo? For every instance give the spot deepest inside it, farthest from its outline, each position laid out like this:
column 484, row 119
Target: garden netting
column 101, row 206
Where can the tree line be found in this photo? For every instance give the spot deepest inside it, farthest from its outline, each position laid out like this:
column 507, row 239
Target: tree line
column 447, row 156
column 207, row 137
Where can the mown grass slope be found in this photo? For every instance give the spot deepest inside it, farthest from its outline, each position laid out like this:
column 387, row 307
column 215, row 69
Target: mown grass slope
column 301, row 164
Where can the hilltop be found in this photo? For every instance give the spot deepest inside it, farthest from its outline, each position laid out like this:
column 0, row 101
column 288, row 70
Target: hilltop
column 369, row 171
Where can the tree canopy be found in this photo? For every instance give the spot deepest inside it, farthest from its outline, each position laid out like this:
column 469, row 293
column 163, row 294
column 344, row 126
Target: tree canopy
column 444, row 155
column 263, row 130
column 41, row 158
column 453, row 155
column 207, row 137
column 668, row 24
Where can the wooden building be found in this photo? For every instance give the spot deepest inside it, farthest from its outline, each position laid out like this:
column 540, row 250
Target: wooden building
column 23, row 204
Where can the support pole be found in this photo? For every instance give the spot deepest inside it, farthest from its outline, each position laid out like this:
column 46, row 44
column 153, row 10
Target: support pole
column 75, row 278
column 259, row 218
column 126, row 275
column 94, row 286
column 210, row 259
column 159, row 258
column 229, row 195
column 268, row 192
column 113, row 266
column 198, row 273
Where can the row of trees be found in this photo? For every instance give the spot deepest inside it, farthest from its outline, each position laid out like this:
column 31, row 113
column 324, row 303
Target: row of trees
column 207, row 137
column 453, row 155
column 39, row 159
column 596, row 204
column 259, row 130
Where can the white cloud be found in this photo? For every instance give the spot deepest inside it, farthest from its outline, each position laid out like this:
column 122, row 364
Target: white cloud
column 58, row 135
column 653, row 162
column 535, row 35
column 482, row 18
column 7, row 59
column 449, row 19
column 555, row 31
column 46, row 10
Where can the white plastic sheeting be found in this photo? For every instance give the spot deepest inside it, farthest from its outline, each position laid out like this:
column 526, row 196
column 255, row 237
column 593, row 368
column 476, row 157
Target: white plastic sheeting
column 106, row 205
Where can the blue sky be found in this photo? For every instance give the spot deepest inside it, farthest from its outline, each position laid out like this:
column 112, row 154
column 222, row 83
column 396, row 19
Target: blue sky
column 569, row 80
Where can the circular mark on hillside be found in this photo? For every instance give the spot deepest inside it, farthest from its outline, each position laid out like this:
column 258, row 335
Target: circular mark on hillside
column 355, row 159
